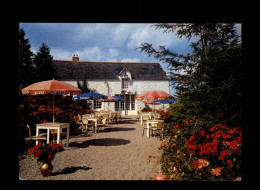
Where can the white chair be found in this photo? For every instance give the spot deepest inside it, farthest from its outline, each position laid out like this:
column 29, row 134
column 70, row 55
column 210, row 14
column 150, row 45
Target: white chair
column 144, row 123
column 36, row 138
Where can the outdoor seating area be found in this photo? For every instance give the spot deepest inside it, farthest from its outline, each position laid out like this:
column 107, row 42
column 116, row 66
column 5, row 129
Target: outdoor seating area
column 97, row 120
column 65, row 122
column 151, row 122
column 113, row 153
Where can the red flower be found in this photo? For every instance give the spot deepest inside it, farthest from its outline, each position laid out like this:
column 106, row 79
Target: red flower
column 45, row 152
column 234, row 144
column 229, row 161
column 163, row 143
column 202, row 133
column 216, row 171
column 31, row 150
column 222, row 154
column 199, row 164
column 192, row 138
column 38, row 154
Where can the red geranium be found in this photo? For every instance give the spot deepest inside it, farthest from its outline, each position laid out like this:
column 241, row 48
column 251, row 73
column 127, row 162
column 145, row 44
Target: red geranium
column 216, row 171
column 229, row 161
column 45, row 152
column 199, row 164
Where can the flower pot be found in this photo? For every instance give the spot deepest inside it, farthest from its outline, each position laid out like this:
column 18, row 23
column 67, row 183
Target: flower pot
column 161, row 177
column 46, row 169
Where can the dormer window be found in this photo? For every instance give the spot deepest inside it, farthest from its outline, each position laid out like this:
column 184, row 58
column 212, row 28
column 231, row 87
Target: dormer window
column 125, row 76
column 125, row 84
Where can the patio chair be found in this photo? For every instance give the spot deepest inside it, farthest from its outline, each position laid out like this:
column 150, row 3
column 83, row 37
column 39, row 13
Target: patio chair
column 36, row 138
column 79, row 120
column 55, row 131
column 87, row 124
column 113, row 117
column 105, row 116
column 102, row 123
column 145, row 118
column 157, row 127
column 144, row 124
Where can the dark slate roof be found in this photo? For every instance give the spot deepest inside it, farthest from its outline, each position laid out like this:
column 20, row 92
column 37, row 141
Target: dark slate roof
column 68, row 70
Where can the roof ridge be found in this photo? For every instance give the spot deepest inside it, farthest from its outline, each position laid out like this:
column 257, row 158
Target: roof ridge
column 107, row 61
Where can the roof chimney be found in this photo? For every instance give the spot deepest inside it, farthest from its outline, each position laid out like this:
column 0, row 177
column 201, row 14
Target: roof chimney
column 75, row 58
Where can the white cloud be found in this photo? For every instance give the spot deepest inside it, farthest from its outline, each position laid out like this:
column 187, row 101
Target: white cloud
column 131, row 60
column 148, row 34
column 61, row 54
column 98, row 54
column 113, row 52
column 122, row 32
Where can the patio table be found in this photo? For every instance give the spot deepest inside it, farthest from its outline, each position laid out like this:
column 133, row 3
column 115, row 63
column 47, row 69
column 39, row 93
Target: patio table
column 148, row 126
column 56, row 125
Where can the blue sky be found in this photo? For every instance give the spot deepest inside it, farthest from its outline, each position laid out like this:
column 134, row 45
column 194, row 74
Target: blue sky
column 116, row 42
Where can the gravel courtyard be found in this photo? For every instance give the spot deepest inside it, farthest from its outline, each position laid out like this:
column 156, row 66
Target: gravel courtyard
column 119, row 152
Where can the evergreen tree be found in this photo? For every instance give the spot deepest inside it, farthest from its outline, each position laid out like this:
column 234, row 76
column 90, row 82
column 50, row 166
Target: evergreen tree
column 209, row 79
column 43, row 63
column 25, row 65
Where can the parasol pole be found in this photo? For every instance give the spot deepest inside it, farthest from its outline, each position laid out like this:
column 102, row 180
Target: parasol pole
column 53, row 110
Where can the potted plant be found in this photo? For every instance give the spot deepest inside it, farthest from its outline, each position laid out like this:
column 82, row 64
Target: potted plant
column 45, row 154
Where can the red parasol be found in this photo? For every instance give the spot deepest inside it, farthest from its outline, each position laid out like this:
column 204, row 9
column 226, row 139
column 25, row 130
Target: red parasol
column 153, row 95
column 150, row 96
column 51, row 87
column 109, row 99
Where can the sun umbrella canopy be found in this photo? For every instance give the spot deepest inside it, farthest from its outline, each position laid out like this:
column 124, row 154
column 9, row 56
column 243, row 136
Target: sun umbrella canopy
column 90, row 96
column 118, row 98
column 153, row 95
column 108, row 99
column 165, row 101
column 151, row 102
column 52, row 87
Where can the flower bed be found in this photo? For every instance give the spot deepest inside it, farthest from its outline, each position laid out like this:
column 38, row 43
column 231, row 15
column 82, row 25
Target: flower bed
column 192, row 151
column 39, row 109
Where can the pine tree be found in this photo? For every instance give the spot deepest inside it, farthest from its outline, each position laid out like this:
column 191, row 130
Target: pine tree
column 209, row 79
column 43, row 63
column 25, row 65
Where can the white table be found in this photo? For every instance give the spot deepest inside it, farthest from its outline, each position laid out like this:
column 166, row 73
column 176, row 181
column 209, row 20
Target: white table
column 148, row 122
column 56, row 125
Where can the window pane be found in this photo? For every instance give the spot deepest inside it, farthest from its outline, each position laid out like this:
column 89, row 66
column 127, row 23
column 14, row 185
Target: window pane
column 122, row 103
column 127, row 99
column 116, row 106
column 132, row 102
column 97, row 104
column 125, row 83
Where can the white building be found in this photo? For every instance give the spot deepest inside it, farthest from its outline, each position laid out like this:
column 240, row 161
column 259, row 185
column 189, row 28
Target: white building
column 123, row 79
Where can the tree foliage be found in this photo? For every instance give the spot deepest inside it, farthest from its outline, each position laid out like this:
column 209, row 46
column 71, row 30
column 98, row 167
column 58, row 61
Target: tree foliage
column 43, row 63
column 208, row 79
column 25, row 65
column 203, row 130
